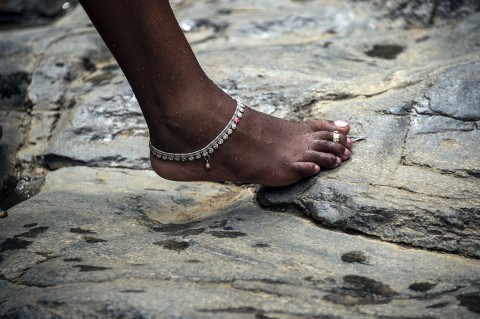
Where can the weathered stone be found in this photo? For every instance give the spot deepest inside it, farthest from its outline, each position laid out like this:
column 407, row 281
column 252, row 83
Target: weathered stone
column 98, row 114
column 422, row 13
column 453, row 104
column 456, row 93
column 107, row 130
column 31, row 9
column 124, row 243
column 431, row 155
column 15, row 71
column 108, row 242
column 13, row 87
column 13, row 135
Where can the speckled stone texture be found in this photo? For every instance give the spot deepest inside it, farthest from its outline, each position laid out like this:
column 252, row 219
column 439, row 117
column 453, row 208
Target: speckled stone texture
column 392, row 233
column 92, row 244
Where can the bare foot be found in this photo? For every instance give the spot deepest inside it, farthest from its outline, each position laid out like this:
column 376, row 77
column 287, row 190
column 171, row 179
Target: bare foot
column 262, row 150
column 185, row 110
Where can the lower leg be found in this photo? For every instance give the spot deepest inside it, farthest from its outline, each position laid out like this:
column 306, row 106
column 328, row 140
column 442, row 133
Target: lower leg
column 185, row 110
column 167, row 80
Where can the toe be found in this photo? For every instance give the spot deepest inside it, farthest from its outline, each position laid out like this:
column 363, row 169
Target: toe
column 327, row 160
column 306, row 169
column 333, row 148
column 328, row 136
column 326, row 125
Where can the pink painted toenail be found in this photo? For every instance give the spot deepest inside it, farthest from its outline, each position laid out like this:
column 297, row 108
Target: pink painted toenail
column 341, row 123
column 347, row 152
column 339, row 160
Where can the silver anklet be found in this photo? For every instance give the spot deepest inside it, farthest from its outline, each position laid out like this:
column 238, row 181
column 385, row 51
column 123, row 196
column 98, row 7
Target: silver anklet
column 207, row 150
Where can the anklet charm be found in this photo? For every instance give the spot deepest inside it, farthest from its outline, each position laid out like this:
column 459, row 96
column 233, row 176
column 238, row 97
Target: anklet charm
column 207, row 150
column 207, row 164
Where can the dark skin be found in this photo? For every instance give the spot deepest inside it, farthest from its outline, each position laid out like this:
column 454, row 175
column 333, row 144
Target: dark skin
column 185, row 110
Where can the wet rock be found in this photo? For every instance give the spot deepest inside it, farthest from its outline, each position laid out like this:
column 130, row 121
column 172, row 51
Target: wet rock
column 422, row 286
column 13, row 135
column 471, row 301
column 384, row 51
column 88, row 268
column 103, row 241
column 106, row 133
column 13, row 87
column 359, row 290
column 198, row 275
column 355, row 257
column 25, row 188
column 425, row 13
column 438, row 145
column 199, row 30
column 32, row 10
column 172, row 244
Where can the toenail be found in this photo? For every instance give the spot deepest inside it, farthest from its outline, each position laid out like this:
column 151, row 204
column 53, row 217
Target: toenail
column 339, row 160
column 341, row 123
column 347, row 152
column 349, row 140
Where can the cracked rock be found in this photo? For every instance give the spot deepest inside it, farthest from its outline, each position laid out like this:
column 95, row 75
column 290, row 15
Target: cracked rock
column 96, row 245
column 424, row 13
column 108, row 238
column 440, row 146
column 456, row 93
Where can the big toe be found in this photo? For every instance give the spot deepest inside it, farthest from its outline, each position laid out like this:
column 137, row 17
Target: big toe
column 341, row 126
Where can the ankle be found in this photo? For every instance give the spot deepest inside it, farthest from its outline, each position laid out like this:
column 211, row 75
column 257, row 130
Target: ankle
column 190, row 119
column 208, row 149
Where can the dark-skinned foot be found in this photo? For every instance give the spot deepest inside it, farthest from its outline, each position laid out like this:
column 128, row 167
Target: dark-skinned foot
column 262, row 150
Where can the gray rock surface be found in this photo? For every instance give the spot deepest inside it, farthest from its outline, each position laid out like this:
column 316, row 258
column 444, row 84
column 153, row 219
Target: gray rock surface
column 107, row 238
column 424, row 13
column 414, row 179
column 96, row 245
column 37, row 11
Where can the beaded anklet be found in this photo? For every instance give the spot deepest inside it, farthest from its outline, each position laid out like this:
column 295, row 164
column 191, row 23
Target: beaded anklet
column 207, row 150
